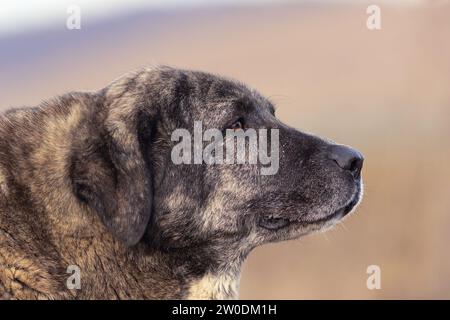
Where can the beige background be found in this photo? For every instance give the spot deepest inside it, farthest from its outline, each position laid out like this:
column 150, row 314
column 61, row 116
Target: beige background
column 384, row 92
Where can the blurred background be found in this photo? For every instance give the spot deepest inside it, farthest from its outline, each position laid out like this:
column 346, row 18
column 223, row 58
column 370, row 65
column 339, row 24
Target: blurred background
column 385, row 92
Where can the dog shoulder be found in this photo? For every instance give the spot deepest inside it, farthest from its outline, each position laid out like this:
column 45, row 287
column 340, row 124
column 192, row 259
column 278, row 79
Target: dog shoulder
column 27, row 271
column 29, row 138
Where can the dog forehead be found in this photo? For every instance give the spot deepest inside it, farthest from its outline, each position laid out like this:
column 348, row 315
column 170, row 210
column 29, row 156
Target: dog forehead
column 212, row 99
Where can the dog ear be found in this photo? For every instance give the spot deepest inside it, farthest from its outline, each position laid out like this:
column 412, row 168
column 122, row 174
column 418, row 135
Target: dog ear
column 112, row 174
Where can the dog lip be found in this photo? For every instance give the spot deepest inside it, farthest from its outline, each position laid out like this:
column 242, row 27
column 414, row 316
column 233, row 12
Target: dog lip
column 275, row 222
column 341, row 212
column 348, row 208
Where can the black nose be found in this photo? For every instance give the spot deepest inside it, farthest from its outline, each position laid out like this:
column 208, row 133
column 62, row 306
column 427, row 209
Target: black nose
column 347, row 158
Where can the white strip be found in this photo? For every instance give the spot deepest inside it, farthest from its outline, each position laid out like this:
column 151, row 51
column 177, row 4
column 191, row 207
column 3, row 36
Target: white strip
column 21, row 15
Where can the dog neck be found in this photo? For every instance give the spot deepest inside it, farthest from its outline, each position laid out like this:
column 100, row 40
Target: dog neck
column 221, row 286
column 208, row 271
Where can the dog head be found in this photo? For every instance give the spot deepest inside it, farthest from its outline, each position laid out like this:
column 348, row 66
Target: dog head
column 134, row 184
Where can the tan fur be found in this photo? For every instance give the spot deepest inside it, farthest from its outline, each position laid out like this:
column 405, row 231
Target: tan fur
column 36, row 249
column 3, row 187
column 222, row 287
column 55, row 183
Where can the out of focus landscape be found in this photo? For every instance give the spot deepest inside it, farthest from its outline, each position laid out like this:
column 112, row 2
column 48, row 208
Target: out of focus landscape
column 385, row 92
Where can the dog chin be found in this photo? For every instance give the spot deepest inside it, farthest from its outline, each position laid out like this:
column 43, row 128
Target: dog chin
column 270, row 222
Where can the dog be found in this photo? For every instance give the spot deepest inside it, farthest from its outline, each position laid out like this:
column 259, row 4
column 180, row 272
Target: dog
column 88, row 191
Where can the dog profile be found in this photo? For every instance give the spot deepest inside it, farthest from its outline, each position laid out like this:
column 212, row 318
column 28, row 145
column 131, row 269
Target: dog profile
column 87, row 180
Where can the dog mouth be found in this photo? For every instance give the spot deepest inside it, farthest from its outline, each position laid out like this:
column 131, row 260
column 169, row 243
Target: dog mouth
column 271, row 222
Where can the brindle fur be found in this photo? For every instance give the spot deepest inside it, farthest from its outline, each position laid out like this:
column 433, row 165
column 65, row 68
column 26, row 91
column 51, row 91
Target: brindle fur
column 86, row 179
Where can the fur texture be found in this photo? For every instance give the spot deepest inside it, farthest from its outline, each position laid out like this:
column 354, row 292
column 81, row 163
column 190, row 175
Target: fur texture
column 86, row 179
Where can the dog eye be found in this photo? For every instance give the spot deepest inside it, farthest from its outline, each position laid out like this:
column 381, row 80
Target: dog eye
column 238, row 124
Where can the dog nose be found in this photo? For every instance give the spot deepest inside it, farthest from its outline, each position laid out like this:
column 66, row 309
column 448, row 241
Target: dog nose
column 347, row 158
